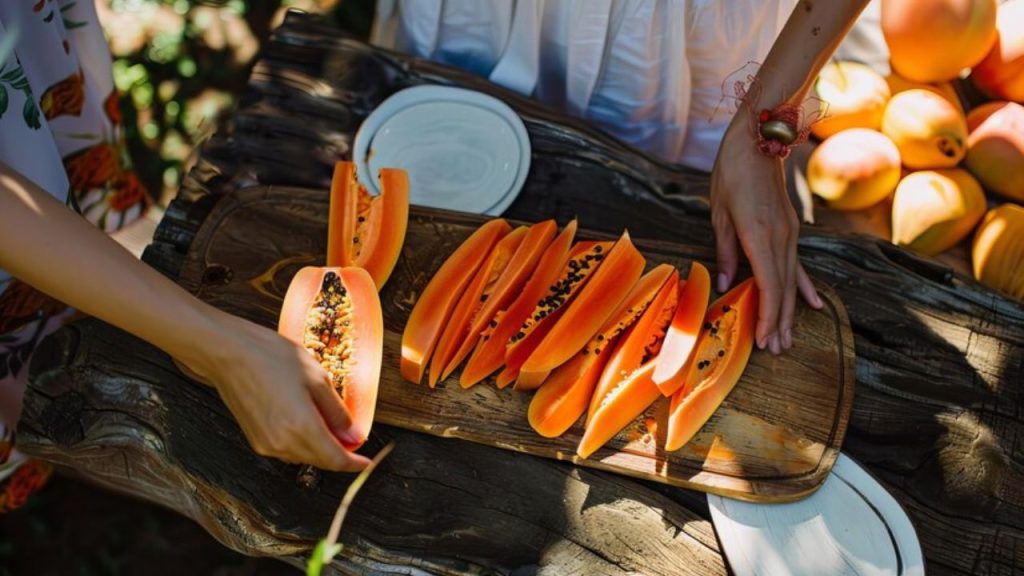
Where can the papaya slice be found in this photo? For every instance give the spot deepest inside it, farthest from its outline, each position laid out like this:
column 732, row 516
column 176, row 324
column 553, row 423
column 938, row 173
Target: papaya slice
column 335, row 314
column 640, row 344
column 681, row 337
column 584, row 260
column 537, row 239
column 597, row 300
column 566, row 393
column 630, row 397
column 435, row 304
column 458, row 327
column 489, row 354
column 367, row 231
column 722, row 351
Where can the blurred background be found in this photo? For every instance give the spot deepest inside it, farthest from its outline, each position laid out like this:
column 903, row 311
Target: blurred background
column 179, row 64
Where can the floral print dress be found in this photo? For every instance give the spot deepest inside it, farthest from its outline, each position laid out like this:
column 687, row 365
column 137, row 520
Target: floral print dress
column 60, row 127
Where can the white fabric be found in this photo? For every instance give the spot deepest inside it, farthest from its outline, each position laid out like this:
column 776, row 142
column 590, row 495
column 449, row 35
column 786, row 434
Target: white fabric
column 648, row 71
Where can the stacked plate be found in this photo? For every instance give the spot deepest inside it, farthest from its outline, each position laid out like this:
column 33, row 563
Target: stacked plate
column 463, row 150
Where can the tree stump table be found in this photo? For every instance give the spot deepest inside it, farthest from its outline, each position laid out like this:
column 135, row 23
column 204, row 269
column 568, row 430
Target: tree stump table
column 937, row 414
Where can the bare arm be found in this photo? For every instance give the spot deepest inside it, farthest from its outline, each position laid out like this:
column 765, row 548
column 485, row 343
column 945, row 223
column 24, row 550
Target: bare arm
column 749, row 204
column 281, row 397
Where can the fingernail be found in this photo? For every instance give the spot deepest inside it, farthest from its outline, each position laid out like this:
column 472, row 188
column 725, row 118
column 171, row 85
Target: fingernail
column 761, row 343
column 774, row 345
column 787, row 338
column 817, row 301
column 723, row 282
column 347, row 437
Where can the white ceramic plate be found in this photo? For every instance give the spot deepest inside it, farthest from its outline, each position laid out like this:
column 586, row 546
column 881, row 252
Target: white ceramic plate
column 850, row 526
column 463, row 150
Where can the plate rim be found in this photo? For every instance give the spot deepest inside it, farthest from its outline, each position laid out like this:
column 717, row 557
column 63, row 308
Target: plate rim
column 890, row 511
column 434, row 92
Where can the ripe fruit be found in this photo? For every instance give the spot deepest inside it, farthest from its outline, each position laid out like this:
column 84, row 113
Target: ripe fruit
column 934, row 40
column 856, row 97
column 854, row 169
column 928, row 131
column 1001, row 73
column 998, row 251
column 995, row 147
column 932, row 210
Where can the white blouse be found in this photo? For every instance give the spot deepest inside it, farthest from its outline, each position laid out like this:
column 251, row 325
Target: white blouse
column 650, row 72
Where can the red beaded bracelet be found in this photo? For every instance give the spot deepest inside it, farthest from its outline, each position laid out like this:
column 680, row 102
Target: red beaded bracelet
column 775, row 130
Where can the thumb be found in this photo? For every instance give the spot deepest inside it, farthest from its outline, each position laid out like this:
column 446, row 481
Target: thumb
column 727, row 252
column 334, row 413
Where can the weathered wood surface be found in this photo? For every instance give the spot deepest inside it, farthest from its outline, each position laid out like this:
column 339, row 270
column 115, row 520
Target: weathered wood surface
column 775, row 439
column 937, row 414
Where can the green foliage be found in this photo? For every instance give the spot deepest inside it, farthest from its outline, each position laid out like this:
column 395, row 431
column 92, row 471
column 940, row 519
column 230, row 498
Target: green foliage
column 181, row 64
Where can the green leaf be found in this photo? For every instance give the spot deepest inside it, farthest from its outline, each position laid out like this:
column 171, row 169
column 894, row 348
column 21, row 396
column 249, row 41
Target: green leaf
column 4, row 100
column 322, row 554
column 31, row 113
column 328, row 548
column 11, row 74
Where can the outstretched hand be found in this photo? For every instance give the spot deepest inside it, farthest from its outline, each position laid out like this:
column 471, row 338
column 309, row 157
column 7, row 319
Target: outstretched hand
column 281, row 397
column 751, row 209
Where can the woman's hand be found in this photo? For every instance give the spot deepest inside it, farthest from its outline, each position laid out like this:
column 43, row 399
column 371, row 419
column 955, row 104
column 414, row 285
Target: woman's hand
column 281, row 397
column 749, row 203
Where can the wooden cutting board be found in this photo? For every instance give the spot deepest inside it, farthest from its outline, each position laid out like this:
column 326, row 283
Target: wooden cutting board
column 774, row 439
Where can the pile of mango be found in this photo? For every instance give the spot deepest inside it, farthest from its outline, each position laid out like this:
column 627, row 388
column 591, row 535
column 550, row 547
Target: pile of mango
column 947, row 173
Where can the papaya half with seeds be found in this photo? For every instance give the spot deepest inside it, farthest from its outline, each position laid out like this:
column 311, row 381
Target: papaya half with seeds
column 721, row 355
column 434, row 306
column 367, row 231
column 335, row 314
column 565, row 394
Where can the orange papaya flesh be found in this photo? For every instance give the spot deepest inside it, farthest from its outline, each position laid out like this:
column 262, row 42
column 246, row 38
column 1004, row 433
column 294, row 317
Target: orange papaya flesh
column 435, row 304
column 538, row 238
column 584, row 259
column 681, row 337
column 630, row 397
column 335, row 314
column 363, row 230
column 597, row 301
column 489, row 353
column 566, row 393
column 640, row 344
column 722, row 351
column 457, row 329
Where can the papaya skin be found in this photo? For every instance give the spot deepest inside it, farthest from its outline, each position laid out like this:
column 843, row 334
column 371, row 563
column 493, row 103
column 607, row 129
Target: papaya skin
column 364, row 231
column 928, row 131
column 998, row 250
